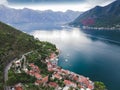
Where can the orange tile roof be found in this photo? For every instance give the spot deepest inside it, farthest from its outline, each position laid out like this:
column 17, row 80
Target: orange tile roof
column 45, row 79
column 38, row 76
column 18, row 88
column 53, row 84
column 31, row 72
column 49, row 63
column 38, row 81
column 90, row 86
column 75, row 78
column 31, row 65
column 67, row 82
column 57, row 76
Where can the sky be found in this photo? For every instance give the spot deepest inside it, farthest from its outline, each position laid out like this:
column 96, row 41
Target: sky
column 55, row 5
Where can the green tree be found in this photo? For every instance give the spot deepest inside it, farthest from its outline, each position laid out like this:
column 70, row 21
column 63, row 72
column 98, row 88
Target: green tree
column 99, row 86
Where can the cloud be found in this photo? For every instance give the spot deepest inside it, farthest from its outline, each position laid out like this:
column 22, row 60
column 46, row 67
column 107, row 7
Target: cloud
column 59, row 1
column 99, row 2
column 43, row 1
column 4, row 2
column 76, row 5
column 88, row 4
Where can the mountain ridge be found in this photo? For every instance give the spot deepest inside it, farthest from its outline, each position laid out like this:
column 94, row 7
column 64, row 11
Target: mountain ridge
column 23, row 18
column 107, row 16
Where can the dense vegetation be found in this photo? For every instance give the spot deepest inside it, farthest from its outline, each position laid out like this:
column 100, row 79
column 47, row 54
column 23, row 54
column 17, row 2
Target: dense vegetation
column 19, row 78
column 14, row 43
column 99, row 86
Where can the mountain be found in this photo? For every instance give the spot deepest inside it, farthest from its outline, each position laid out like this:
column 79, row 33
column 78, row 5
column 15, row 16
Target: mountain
column 107, row 16
column 14, row 43
column 28, row 19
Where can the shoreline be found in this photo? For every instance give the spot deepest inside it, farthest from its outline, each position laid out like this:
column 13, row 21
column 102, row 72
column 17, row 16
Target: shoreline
column 68, row 72
column 100, row 28
column 67, row 77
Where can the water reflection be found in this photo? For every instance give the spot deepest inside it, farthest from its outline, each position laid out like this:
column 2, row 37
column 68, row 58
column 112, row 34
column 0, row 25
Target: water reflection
column 63, row 35
column 72, row 39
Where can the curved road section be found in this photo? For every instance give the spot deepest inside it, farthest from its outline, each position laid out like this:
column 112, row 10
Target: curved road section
column 9, row 65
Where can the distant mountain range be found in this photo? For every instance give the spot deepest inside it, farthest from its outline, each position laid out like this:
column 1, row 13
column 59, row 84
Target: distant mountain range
column 107, row 16
column 27, row 19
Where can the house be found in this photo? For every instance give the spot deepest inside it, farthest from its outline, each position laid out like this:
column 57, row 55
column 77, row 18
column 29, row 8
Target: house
column 90, row 86
column 53, row 84
column 65, row 71
column 45, row 79
column 49, row 65
column 75, row 77
column 66, row 88
column 42, row 81
column 69, row 83
column 82, row 89
column 54, row 61
column 18, row 63
column 30, row 72
column 88, row 89
column 38, row 76
column 38, row 82
column 57, row 76
column 34, row 68
column 31, row 65
column 18, row 87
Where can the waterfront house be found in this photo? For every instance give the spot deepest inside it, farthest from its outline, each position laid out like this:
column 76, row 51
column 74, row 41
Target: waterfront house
column 53, row 84
column 69, row 83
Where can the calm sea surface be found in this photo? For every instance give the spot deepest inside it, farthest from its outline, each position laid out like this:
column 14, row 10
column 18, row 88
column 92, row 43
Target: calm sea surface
column 92, row 53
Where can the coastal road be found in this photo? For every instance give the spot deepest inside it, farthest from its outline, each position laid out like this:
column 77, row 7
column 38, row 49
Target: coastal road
column 9, row 65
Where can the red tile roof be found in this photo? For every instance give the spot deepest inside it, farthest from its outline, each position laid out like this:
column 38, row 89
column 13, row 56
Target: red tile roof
column 57, row 76
column 75, row 78
column 65, row 71
column 37, row 82
column 67, row 82
column 38, row 76
column 45, row 79
column 18, row 88
column 31, row 65
column 53, row 84
column 31, row 72
column 90, row 86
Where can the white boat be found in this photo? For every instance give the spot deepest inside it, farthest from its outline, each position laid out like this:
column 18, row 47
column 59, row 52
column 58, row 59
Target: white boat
column 66, row 60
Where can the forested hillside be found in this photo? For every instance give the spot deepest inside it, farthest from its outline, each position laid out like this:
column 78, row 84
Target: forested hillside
column 14, row 43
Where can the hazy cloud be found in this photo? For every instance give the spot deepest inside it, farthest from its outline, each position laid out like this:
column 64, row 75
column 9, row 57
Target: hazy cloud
column 56, row 5
column 3, row 2
column 62, row 1
column 98, row 2
column 43, row 1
